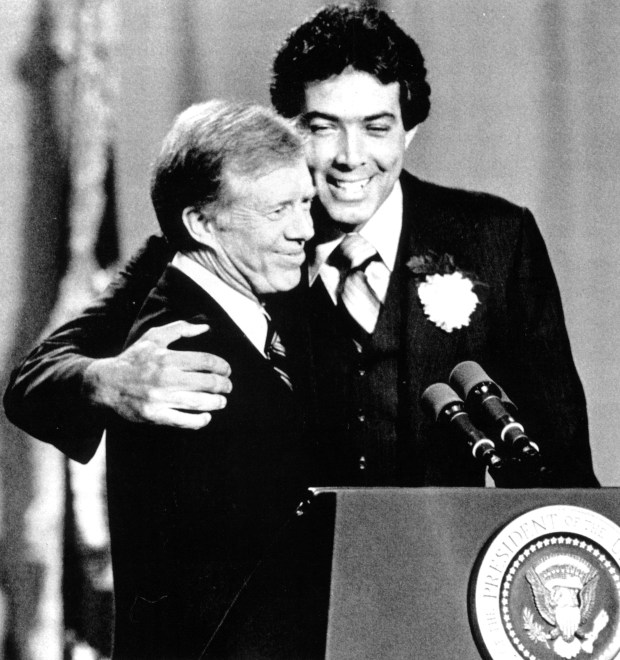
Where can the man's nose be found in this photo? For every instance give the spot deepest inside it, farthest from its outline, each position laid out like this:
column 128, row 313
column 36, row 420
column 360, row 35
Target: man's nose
column 301, row 227
column 351, row 149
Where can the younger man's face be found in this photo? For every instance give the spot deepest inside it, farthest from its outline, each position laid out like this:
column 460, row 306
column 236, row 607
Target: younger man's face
column 356, row 146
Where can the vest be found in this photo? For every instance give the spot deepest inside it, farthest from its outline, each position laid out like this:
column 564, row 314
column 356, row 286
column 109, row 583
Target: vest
column 358, row 398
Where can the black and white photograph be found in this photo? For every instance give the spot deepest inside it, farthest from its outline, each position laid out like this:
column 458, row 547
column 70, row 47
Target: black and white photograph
column 309, row 346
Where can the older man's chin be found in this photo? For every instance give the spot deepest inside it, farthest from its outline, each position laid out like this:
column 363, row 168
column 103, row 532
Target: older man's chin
column 288, row 279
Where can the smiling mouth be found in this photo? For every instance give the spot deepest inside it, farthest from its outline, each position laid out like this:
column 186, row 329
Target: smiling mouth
column 348, row 190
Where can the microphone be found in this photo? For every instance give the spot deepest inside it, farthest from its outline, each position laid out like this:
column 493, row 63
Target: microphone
column 443, row 404
column 482, row 393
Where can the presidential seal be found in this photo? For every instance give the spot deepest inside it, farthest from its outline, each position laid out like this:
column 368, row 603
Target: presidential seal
column 548, row 587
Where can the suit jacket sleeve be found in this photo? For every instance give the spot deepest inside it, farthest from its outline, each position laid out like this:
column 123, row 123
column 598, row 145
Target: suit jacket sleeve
column 542, row 370
column 45, row 394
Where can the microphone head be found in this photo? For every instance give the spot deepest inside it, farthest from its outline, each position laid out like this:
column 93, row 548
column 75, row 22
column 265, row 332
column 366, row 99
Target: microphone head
column 468, row 375
column 437, row 397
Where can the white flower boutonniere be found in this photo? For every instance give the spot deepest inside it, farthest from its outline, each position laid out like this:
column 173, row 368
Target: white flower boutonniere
column 446, row 293
column 448, row 300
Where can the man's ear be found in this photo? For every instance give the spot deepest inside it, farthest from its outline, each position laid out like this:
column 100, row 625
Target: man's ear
column 409, row 135
column 198, row 225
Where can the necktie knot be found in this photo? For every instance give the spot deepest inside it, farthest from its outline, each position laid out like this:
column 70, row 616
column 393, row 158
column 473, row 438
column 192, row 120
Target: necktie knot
column 355, row 251
column 356, row 293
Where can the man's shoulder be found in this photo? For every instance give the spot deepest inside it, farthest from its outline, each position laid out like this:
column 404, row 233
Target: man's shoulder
column 175, row 297
column 456, row 202
column 151, row 257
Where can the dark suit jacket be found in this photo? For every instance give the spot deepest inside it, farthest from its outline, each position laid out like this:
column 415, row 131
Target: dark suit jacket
column 517, row 334
column 192, row 513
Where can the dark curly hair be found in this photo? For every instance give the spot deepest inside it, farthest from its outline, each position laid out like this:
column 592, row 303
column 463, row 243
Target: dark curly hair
column 339, row 36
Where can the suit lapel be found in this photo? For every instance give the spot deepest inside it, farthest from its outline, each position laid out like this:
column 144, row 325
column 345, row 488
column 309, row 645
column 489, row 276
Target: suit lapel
column 402, row 308
column 429, row 352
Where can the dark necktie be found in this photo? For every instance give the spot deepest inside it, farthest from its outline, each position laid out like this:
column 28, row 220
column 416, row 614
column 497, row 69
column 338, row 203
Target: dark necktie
column 360, row 300
column 276, row 353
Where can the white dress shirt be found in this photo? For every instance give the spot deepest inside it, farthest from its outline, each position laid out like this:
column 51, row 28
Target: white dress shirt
column 382, row 231
column 247, row 314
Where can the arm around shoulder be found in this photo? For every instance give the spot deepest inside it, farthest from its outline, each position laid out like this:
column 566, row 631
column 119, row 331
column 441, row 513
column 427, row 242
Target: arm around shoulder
column 52, row 394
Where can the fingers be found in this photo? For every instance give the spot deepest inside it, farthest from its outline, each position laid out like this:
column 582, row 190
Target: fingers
column 186, row 410
column 194, row 361
column 194, row 402
column 166, row 334
column 202, row 382
column 180, row 419
column 150, row 383
column 169, row 373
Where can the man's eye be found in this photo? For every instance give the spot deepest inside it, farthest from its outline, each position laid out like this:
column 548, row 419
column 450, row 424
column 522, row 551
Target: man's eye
column 321, row 129
column 278, row 212
column 378, row 129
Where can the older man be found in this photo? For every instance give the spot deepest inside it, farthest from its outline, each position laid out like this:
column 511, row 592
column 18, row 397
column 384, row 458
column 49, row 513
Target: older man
column 193, row 513
column 358, row 82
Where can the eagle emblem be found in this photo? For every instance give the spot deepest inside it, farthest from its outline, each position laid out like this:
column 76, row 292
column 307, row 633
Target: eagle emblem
column 564, row 592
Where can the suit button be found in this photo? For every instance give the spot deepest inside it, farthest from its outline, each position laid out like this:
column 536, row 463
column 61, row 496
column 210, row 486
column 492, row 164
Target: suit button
column 361, row 417
column 362, row 463
column 361, row 372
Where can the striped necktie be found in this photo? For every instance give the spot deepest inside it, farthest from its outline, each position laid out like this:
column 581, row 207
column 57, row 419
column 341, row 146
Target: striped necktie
column 276, row 353
column 360, row 300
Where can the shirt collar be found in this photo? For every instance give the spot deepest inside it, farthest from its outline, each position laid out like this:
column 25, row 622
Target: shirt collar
column 382, row 231
column 247, row 314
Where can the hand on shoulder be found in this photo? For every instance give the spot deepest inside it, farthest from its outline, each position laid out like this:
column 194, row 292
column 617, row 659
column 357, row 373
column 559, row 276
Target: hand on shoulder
column 150, row 383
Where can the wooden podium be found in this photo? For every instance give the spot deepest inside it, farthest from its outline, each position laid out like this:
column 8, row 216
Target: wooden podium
column 403, row 562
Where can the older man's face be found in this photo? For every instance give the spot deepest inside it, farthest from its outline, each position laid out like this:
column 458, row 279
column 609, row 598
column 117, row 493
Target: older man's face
column 262, row 233
column 357, row 143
